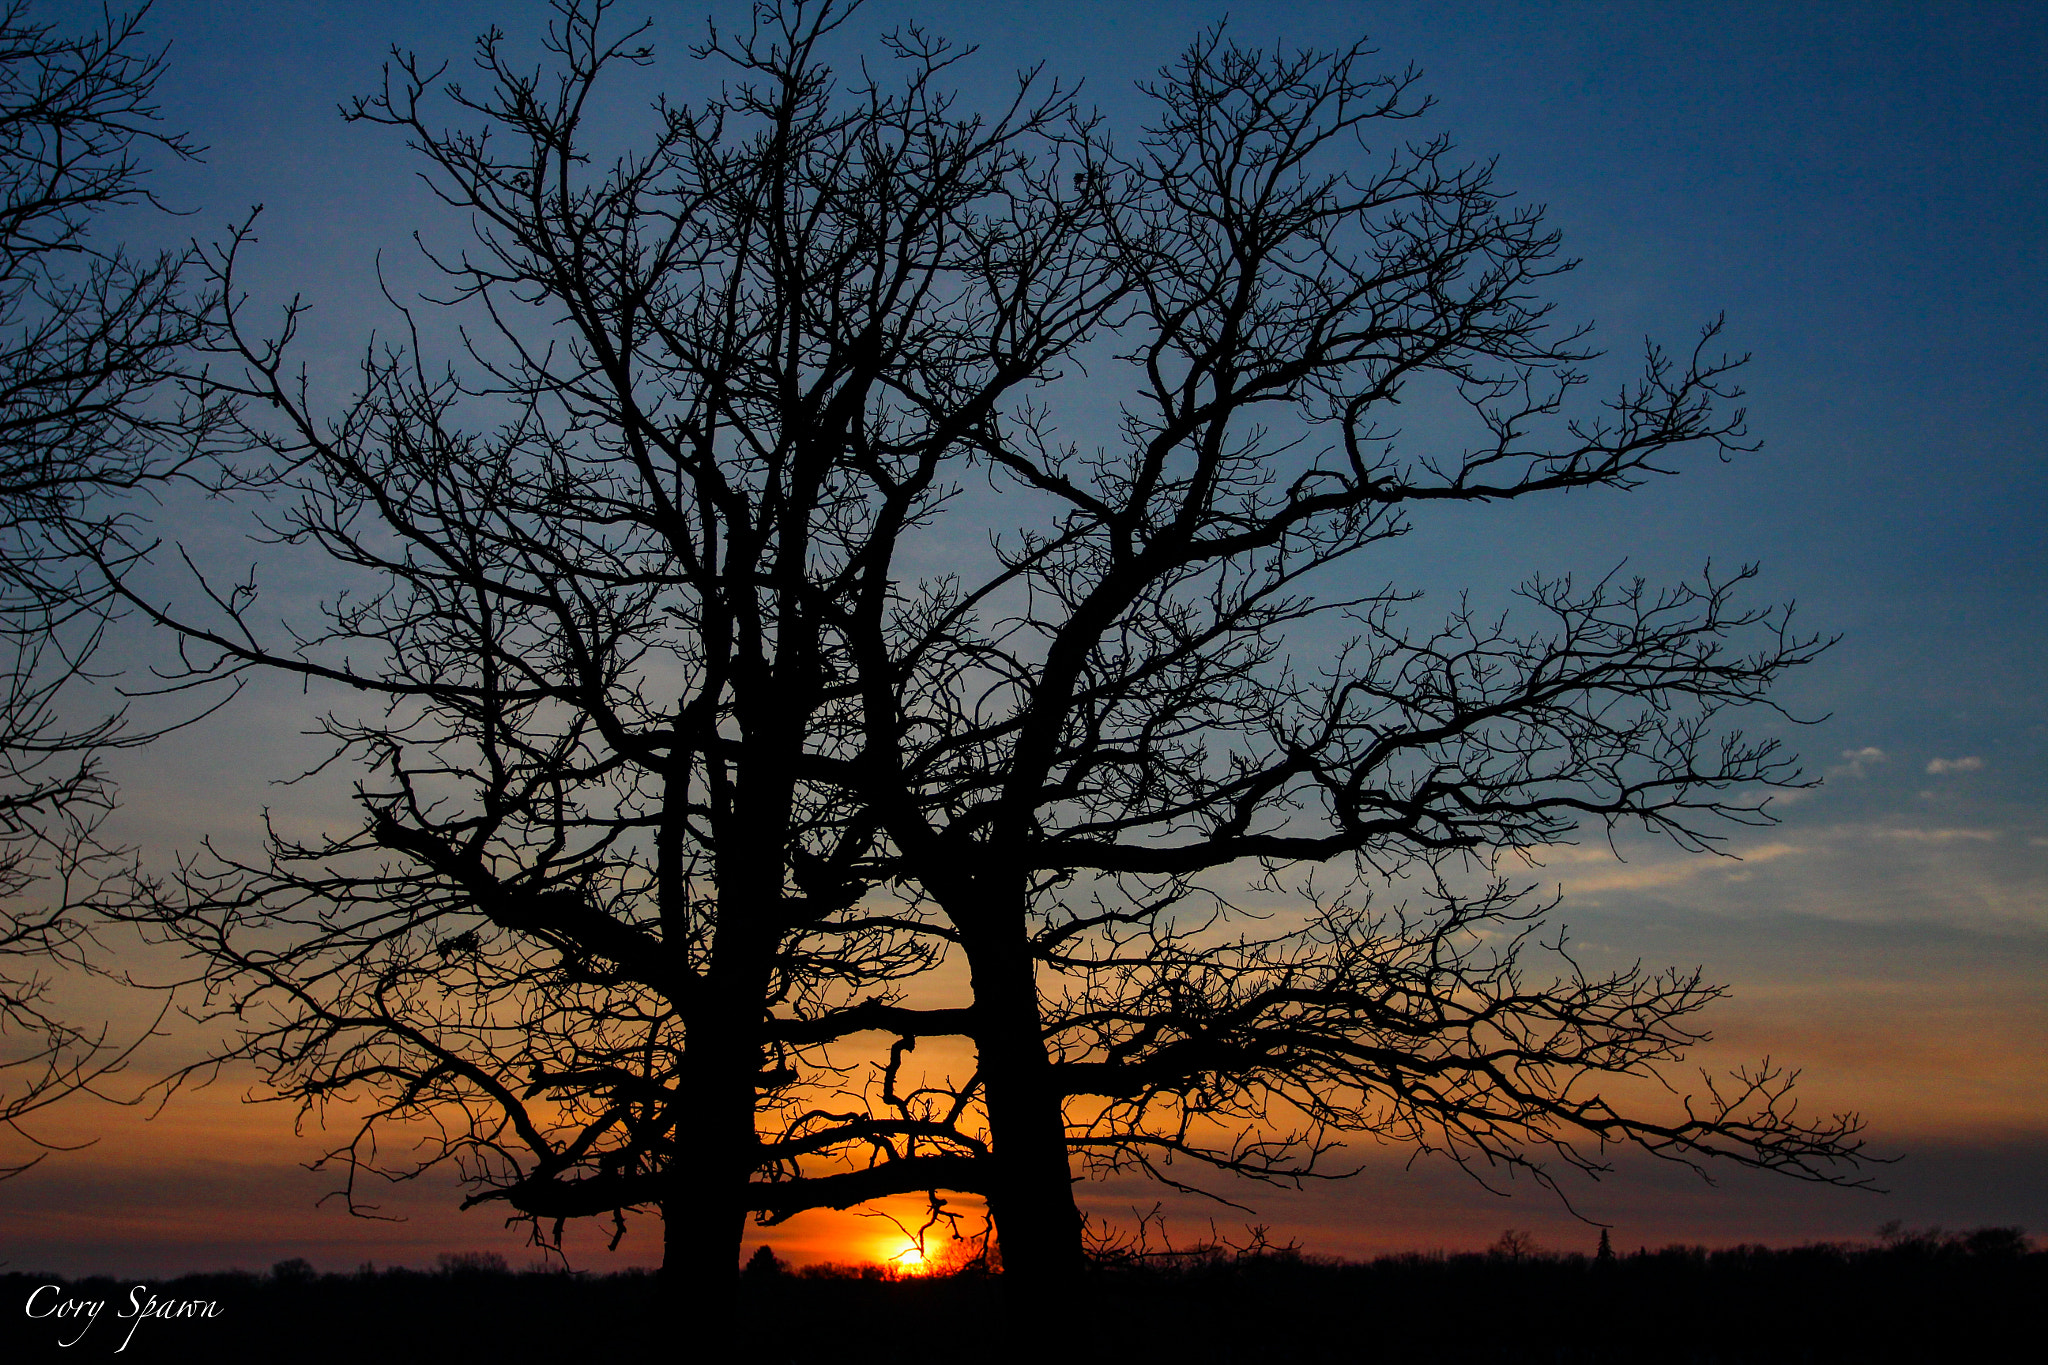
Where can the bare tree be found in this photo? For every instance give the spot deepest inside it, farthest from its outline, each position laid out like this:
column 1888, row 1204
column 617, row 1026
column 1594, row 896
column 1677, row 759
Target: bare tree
column 694, row 737
column 1173, row 686
column 597, row 929
column 94, row 405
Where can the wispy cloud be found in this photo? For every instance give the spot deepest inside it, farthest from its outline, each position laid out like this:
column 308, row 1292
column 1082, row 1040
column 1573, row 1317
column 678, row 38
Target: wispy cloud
column 1941, row 836
column 1945, row 873
column 1969, row 763
column 1856, row 762
column 1583, row 869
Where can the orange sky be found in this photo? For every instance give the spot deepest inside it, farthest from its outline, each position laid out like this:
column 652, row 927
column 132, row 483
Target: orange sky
column 1953, row 1079
column 1892, row 948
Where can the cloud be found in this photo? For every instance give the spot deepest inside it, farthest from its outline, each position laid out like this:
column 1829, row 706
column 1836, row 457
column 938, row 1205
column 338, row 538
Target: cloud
column 1969, row 763
column 1587, row 869
column 1768, row 853
column 1940, row 836
column 1855, row 760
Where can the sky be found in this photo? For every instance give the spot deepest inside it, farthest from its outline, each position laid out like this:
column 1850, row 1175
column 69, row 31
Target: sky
column 1859, row 188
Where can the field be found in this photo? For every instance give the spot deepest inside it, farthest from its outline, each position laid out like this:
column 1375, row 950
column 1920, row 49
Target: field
column 1913, row 1297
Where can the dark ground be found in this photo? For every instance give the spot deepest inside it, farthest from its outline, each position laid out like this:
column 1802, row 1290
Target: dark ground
column 1975, row 1297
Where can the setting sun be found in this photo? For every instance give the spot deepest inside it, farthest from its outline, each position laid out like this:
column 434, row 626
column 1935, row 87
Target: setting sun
column 911, row 1259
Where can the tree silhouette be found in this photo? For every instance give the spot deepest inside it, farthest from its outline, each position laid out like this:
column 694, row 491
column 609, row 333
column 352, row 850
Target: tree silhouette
column 697, row 731
column 1175, row 684
column 94, row 404
column 598, row 926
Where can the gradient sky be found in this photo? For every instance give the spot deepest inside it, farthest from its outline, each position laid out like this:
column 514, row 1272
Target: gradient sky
column 1860, row 187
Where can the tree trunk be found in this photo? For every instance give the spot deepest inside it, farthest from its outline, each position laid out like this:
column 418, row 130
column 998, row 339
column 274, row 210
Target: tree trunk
column 703, row 1218
column 705, row 1205
column 715, row 1147
column 704, row 1208
column 1031, row 1195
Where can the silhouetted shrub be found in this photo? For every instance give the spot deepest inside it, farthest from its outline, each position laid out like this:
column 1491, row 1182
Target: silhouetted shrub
column 471, row 1263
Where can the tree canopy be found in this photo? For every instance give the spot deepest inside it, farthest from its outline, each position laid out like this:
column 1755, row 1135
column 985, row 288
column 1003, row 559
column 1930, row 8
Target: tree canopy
column 100, row 404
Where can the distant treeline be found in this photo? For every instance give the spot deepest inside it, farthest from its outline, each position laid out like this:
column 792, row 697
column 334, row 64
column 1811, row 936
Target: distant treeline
column 1914, row 1295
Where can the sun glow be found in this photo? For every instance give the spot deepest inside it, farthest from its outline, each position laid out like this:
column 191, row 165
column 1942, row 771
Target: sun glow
column 910, row 1259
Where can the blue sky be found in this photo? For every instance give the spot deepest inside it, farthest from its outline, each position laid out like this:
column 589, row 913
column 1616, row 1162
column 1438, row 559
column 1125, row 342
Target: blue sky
column 1860, row 188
